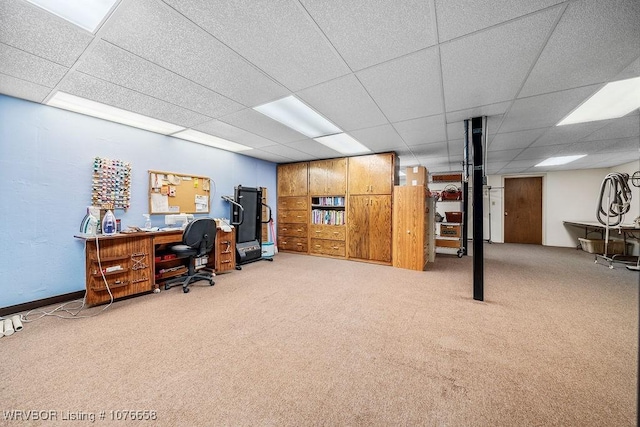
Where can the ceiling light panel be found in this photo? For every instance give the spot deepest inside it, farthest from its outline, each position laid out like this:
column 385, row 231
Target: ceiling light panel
column 344, row 144
column 87, row 14
column 106, row 112
column 561, row 160
column 496, row 75
column 293, row 113
column 614, row 100
column 31, row 29
column 177, row 44
column 280, row 39
column 210, row 140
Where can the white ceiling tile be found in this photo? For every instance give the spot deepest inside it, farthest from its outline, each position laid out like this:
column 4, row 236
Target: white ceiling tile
column 567, row 134
column 367, row 32
column 633, row 70
column 460, row 17
column 254, row 122
column 232, row 133
column 538, row 152
column 278, row 37
column 25, row 66
column 22, row 89
column 490, row 66
column 403, row 89
column 433, row 163
column 175, row 43
column 593, row 41
column 502, row 156
column 379, row 139
column 511, row 140
column 544, row 110
column 607, row 146
column 624, row 127
column 438, row 149
column 492, row 111
column 110, row 63
column 524, row 163
column 424, row 130
column 285, row 151
column 345, row 102
column 314, row 149
column 85, row 86
column 264, row 155
column 31, row 29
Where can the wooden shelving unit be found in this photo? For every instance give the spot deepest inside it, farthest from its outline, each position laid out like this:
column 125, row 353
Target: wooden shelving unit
column 448, row 233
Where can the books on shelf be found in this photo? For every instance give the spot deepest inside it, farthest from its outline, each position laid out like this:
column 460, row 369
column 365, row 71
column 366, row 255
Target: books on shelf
column 328, row 201
column 327, row 217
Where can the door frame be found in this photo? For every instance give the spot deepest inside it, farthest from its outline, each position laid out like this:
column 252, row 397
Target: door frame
column 543, row 176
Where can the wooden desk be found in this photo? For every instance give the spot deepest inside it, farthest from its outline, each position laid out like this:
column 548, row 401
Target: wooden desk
column 136, row 263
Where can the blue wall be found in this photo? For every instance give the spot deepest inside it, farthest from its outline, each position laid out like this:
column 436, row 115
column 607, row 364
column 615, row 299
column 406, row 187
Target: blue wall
column 46, row 161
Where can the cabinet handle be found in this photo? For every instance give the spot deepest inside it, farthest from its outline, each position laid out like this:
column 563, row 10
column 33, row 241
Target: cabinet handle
column 335, row 247
column 317, row 246
column 226, row 261
column 318, row 231
column 298, row 244
column 299, row 229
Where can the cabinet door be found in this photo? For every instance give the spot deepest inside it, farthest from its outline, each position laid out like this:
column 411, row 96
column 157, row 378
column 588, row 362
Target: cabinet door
column 380, row 228
column 373, row 174
column 358, row 227
column 293, row 179
column 328, row 177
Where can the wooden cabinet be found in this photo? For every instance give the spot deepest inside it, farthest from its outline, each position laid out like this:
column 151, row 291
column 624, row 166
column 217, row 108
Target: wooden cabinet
column 369, row 228
column 328, row 177
column 126, row 264
column 293, row 179
column 225, row 256
column 293, row 221
column 372, row 174
column 413, row 226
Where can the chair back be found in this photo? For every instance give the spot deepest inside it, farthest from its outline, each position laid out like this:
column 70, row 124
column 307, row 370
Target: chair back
column 200, row 234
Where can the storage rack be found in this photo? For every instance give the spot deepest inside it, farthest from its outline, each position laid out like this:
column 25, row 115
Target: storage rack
column 448, row 233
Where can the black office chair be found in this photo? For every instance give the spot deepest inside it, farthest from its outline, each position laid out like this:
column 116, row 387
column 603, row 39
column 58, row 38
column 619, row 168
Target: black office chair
column 198, row 240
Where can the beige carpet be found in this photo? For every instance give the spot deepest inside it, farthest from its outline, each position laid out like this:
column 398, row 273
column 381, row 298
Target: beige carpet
column 308, row 340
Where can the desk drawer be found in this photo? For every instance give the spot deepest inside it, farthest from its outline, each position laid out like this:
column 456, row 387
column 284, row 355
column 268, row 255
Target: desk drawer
column 328, row 247
column 168, row 237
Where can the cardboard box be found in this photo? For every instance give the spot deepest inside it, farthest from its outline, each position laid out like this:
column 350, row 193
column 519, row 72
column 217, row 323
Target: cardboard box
column 416, row 175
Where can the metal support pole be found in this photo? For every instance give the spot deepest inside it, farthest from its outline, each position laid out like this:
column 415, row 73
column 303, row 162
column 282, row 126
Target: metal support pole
column 477, row 126
column 465, row 190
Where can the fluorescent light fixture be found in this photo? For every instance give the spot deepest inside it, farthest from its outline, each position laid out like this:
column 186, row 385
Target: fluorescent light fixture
column 88, row 107
column 562, row 160
column 87, row 14
column 292, row 112
column 210, row 140
column 615, row 100
column 343, row 143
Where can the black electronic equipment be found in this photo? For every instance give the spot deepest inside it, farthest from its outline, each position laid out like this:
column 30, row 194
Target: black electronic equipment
column 246, row 217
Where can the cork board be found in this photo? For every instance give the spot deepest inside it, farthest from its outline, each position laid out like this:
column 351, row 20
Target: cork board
column 174, row 193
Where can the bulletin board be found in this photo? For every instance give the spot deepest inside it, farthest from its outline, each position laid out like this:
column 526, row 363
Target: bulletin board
column 174, row 193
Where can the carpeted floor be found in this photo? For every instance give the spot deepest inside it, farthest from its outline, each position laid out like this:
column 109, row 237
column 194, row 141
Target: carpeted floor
column 306, row 340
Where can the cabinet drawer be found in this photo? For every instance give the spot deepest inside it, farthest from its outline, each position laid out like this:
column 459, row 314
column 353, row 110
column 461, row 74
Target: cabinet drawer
column 292, row 203
column 296, row 216
column 297, row 244
column 333, row 232
column 292, row 230
column 328, row 247
column 445, row 243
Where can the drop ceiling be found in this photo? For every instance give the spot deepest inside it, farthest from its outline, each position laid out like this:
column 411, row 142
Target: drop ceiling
column 397, row 75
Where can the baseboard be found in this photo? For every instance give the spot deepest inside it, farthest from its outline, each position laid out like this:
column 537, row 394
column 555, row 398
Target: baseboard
column 18, row 308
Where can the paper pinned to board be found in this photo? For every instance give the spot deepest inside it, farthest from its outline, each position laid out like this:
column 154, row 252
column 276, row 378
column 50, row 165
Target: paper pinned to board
column 202, row 203
column 159, row 203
